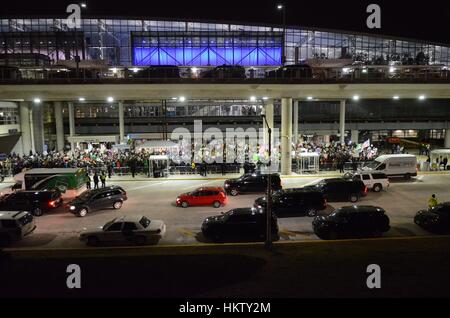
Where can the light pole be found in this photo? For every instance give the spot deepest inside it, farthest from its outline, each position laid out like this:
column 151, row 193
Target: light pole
column 268, row 243
column 282, row 8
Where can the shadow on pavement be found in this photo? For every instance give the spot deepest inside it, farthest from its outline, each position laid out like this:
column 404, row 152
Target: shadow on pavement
column 146, row 276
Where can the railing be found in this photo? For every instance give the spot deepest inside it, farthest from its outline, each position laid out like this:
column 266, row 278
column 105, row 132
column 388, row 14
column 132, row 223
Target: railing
column 353, row 74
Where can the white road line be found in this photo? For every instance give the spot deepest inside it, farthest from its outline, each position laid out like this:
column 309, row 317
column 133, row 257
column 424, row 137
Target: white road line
column 146, row 186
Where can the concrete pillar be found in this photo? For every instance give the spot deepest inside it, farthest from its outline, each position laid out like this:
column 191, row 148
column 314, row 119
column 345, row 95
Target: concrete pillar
column 447, row 139
column 355, row 136
column 38, row 126
column 326, row 139
column 286, row 136
column 269, row 117
column 59, row 126
column 295, row 133
column 71, row 124
column 342, row 122
column 25, row 128
column 121, row 124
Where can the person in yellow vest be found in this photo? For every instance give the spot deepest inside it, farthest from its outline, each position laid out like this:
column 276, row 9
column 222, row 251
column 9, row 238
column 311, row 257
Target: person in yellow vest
column 432, row 202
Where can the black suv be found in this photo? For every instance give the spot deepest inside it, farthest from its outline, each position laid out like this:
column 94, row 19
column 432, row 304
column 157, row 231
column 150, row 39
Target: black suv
column 340, row 189
column 436, row 219
column 294, row 202
column 97, row 199
column 35, row 202
column 251, row 182
column 239, row 224
column 352, row 221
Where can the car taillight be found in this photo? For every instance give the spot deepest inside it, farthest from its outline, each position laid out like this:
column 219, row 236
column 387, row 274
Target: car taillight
column 52, row 203
column 366, row 189
column 324, row 203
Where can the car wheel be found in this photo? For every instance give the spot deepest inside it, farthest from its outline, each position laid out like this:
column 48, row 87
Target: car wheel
column 184, row 204
column 83, row 212
column 312, row 212
column 140, row 240
column 407, row 176
column 117, row 205
column 37, row 212
column 377, row 233
column 93, row 241
column 216, row 204
column 216, row 238
column 377, row 187
column 234, row 192
column 353, row 198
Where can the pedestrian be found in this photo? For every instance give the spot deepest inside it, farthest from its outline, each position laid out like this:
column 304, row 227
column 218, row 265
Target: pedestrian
column 432, row 202
column 87, row 179
column 103, row 179
column 110, row 170
column 445, row 162
column 96, row 180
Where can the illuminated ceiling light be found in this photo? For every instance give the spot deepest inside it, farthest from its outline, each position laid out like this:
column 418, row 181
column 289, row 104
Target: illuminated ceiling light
column 280, row 6
column 422, row 97
column 391, row 69
column 114, row 70
column 81, row 99
column 110, row 99
column 174, row 98
column 252, row 98
column 83, row 5
column 37, row 100
column 135, row 70
column 346, row 70
column 396, row 97
column 356, row 97
column 265, row 98
column 309, row 98
column 364, row 70
column 194, row 70
column 182, row 99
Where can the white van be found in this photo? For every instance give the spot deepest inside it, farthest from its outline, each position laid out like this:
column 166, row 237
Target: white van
column 394, row 166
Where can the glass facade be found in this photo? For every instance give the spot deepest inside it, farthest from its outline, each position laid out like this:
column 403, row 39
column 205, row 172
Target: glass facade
column 128, row 42
column 9, row 115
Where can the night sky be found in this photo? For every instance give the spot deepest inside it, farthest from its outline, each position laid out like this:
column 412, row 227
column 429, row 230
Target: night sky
column 427, row 20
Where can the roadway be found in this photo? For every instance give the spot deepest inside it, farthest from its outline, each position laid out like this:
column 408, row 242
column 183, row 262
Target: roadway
column 155, row 199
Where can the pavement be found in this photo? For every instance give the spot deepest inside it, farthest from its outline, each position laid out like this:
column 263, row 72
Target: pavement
column 409, row 267
column 155, row 199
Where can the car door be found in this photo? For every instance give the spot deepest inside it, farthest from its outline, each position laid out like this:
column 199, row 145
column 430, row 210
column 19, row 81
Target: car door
column 280, row 206
column 195, row 198
column 332, row 191
column 207, row 197
column 129, row 230
column 113, row 233
column 367, row 180
column 248, row 184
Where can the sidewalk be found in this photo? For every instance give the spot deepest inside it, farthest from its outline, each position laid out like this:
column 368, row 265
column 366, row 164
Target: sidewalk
column 197, row 177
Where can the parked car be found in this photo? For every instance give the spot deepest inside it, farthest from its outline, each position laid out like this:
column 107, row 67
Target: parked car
column 36, row 202
column 214, row 196
column 225, row 71
column 340, row 189
column 297, row 71
column 294, row 202
column 352, row 222
column 15, row 225
column 394, row 166
column 97, row 199
column 251, row 183
column 135, row 229
column 239, row 224
column 375, row 181
column 436, row 219
column 160, row 71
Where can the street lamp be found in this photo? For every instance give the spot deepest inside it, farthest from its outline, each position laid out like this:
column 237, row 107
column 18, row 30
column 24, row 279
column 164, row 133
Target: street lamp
column 268, row 242
column 282, row 7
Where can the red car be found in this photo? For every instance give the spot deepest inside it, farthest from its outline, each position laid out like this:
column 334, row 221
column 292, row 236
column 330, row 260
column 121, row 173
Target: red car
column 214, row 196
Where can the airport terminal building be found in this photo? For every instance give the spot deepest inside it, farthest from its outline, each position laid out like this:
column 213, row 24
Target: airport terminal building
column 111, row 80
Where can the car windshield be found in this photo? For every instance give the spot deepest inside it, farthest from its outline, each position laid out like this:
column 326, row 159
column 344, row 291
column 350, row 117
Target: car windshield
column 372, row 165
column 144, row 222
column 336, row 214
column 107, row 225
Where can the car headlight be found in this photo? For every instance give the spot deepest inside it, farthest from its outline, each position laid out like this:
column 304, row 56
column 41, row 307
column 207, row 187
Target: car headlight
column 72, row 207
column 226, row 185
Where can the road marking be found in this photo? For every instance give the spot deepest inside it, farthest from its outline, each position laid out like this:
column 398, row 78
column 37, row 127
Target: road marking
column 146, row 186
column 419, row 177
column 186, row 232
